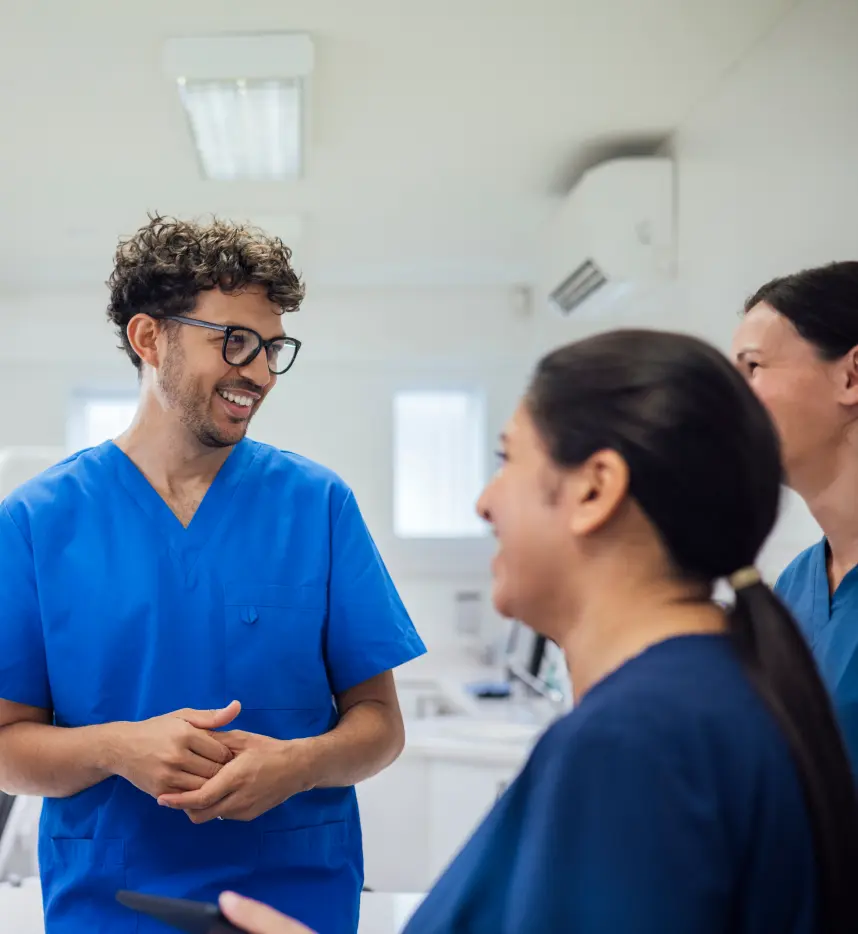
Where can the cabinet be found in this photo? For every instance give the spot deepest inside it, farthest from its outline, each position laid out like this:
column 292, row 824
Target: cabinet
column 460, row 795
column 393, row 806
column 417, row 814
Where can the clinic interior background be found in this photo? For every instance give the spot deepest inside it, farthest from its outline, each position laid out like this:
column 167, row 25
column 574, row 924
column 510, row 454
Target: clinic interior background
column 439, row 141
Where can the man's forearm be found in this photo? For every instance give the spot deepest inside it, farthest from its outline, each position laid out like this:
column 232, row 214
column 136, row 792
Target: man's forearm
column 54, row 762
column 368, row 738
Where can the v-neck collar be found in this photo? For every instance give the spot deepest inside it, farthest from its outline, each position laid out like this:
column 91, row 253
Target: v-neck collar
column 187, row 542
column 821, row 593
column 824, row 601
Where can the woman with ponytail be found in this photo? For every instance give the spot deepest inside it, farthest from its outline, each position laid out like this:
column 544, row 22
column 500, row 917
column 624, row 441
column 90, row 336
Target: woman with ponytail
column 699, row 785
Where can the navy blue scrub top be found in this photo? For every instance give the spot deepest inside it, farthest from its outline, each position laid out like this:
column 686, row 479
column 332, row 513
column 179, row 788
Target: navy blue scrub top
column 830, row 625
column 666, row 803
column 274, row 595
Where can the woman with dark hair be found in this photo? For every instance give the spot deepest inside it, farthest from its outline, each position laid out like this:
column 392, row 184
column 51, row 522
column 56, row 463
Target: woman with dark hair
column 699, row 786
column 798, row 347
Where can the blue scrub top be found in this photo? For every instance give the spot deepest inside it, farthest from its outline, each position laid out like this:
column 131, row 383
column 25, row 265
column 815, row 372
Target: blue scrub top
column 830, row 625
column 666, row 803
column 274, row 595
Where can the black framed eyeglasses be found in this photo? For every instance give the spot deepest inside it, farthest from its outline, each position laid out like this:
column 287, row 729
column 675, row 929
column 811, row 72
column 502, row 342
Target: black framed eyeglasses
column 241, row 345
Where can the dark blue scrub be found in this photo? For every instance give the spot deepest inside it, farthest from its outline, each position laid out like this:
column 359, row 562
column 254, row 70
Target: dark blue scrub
column 274, row 595
column 830, row 625
column 666, row 803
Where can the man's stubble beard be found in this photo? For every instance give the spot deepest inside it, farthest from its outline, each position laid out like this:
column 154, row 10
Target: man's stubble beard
column 191, row 404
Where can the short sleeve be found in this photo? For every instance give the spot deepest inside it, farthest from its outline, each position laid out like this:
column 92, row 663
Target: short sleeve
column 23, row 669
column 615, row 838
column 369, row 630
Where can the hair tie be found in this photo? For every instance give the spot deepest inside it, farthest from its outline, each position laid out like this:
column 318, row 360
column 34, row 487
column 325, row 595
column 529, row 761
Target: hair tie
column 744, row 577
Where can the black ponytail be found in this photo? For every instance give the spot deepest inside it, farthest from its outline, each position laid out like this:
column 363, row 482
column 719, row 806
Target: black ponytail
column 782, row 669
column 704, row 465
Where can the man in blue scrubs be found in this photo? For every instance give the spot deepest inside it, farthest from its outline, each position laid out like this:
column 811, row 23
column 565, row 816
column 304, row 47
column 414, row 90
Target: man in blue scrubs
column 150, row 583
column 798, row 347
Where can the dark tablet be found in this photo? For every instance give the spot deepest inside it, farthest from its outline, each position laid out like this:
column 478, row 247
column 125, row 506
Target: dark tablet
column 193, row 917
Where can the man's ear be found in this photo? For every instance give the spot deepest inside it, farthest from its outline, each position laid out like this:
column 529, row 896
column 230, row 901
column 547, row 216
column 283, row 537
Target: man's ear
column 143, row 332
column 595, row 491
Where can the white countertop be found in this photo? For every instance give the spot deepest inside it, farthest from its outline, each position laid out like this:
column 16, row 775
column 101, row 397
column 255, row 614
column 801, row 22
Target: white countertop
column 498, row 730
column 381, row 912
column 470, row 739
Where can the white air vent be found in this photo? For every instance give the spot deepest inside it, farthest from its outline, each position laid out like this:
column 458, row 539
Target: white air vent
column 613, row 235
column 578, row 286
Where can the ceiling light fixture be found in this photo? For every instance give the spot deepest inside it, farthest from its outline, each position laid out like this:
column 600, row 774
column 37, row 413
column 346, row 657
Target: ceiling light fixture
column 244, row 99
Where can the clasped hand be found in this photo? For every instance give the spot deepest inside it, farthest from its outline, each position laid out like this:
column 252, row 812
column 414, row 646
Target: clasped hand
column 175, row 752
column 262, row 774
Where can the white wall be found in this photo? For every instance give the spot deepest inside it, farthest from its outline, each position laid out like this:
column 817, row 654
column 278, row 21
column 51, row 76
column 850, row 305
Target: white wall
column 766, row 182
column 335, row 406
column 767, row 164
column 766, row 185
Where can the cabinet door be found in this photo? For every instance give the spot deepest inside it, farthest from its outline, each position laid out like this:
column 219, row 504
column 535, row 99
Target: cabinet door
column 395, row 822
column 460, row 796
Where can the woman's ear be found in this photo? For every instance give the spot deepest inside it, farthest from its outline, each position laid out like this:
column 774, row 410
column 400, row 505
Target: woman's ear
column 848, row 378
column 595, row 491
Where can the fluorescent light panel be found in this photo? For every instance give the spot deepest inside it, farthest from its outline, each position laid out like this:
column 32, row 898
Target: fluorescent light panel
column 244, row 98
column 245, row 129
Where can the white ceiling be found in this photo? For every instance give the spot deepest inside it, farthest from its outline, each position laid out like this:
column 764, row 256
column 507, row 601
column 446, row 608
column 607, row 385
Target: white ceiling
column 441, row 134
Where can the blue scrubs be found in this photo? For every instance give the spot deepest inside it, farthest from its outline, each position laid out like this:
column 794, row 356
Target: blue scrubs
column 830, row 625
column 274, row 595
column 666, row 803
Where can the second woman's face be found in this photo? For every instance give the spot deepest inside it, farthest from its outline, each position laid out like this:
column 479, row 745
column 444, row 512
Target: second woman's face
column 800, row 390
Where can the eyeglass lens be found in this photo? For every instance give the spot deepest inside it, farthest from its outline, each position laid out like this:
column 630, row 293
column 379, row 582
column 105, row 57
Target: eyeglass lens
column 242, row 345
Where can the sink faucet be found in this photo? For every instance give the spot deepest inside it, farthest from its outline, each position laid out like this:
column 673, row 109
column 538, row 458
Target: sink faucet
column 535, row 685
column 528, row 673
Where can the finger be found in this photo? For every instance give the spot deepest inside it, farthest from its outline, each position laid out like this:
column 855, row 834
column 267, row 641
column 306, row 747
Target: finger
column 256, row 918
column 234, row 740
column 211, row 719
column 205, row 745
column 199, row 766
column 185, row 781
column 214, row 790
column 224, row 809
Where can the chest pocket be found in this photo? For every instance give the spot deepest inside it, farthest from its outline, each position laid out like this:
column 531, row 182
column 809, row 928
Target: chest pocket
column 274, row 636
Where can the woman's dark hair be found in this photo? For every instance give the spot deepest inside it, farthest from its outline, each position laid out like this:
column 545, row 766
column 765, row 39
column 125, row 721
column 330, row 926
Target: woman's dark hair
column 821, row 304
column 704, row 465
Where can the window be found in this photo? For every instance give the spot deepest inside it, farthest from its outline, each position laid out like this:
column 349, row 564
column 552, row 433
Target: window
column 439, row 464
column 99, row 417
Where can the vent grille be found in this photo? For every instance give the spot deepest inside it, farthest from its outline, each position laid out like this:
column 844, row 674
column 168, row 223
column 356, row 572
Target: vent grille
column 578, row 286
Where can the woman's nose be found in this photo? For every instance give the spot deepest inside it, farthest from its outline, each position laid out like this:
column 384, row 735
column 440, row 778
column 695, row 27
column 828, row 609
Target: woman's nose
column 483, row 506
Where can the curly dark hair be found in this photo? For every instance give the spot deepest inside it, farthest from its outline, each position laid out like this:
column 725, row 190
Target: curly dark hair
column 163, row 267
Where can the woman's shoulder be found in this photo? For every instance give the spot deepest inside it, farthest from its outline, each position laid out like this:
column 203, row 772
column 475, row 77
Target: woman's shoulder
column 684, row 703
